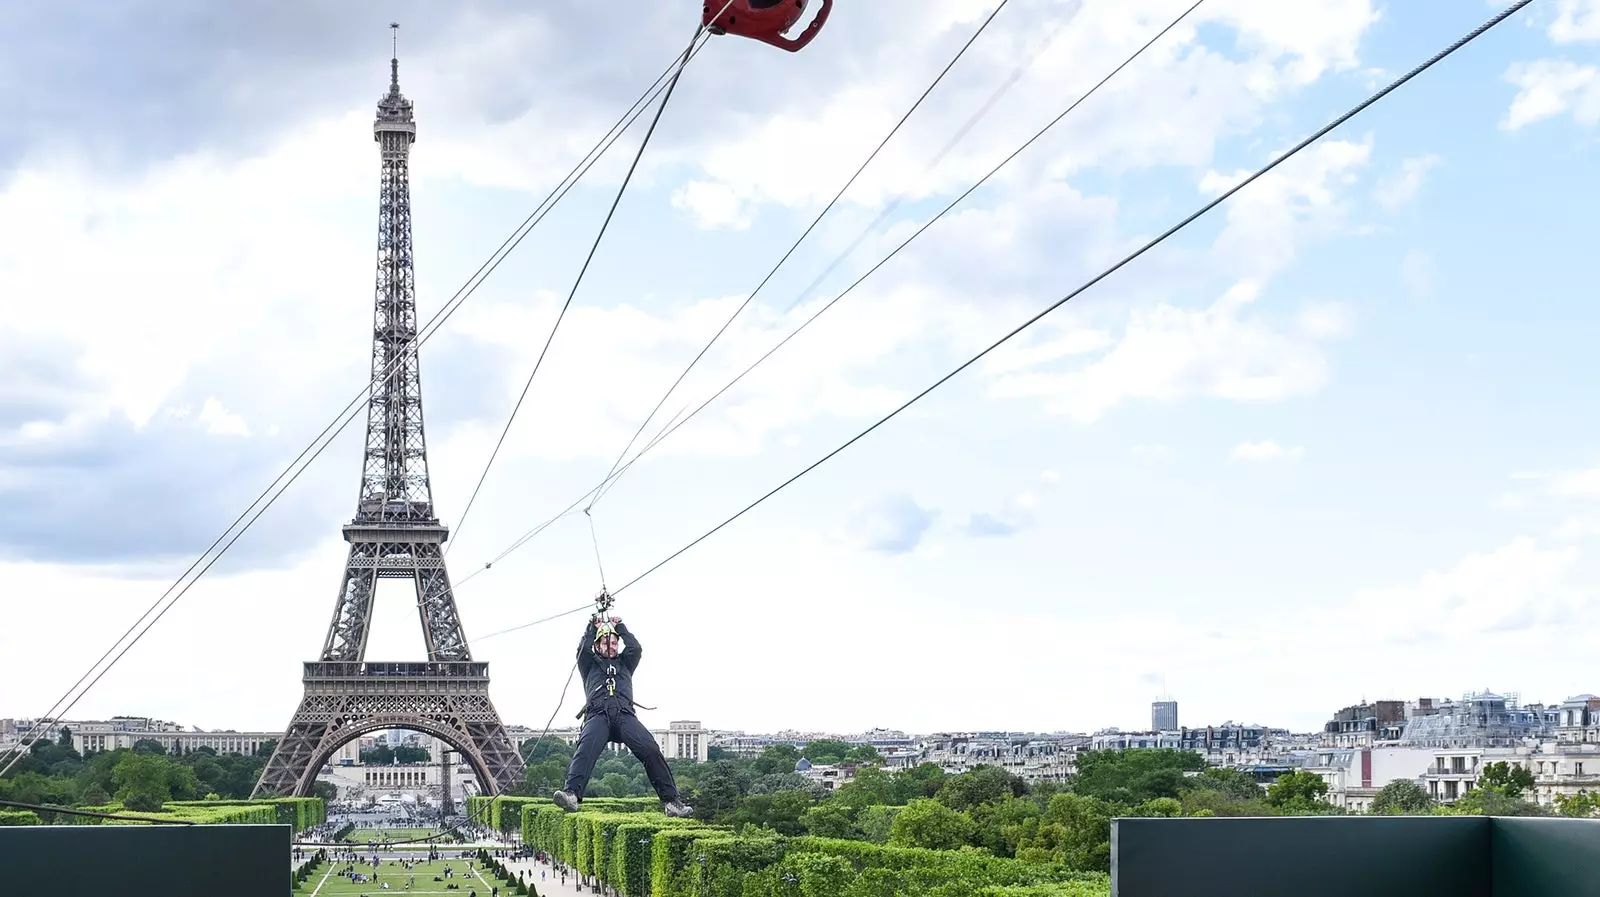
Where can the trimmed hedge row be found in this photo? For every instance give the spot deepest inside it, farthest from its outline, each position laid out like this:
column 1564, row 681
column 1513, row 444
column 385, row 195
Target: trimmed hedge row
column 614, row 847
column 300, row 813
column 649, row 855
column 20, row 817
column 259, row 814
column 505, row 814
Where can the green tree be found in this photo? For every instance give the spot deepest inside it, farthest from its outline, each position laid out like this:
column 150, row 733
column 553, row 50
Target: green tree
column 1582, row 805
column 1491, row 801
column 872, row 786
column 979, row 785
column 826, row 751
column 830, row 820
column 924, row 780
column 1297, row 790
column 64, row 737
column 719, row 790
column 931, row 824
column 1075, row 830
column 1158, row 808
column 1510, row 779
column 405, row 754
column 1230, row 782
column 148, row 747
column 876, row 823
column 783, row 812
column 776, row 759
column 1402, row 798
column 863, row 753
column 615, row 784
column 1134, row 776
column 1001, row 824
column 141, row 781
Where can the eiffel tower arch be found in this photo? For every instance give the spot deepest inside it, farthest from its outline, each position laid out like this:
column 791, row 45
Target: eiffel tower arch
column 395, row 534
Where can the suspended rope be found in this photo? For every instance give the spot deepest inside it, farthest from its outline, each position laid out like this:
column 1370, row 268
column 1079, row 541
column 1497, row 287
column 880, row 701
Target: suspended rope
column 796, row 245
column 682, row 419
column 1162, row 237
column 341, row 420
column 666, row 432
column 605, row 225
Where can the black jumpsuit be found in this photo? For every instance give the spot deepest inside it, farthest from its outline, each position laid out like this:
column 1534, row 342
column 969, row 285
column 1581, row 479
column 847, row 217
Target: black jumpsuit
column 608, row 716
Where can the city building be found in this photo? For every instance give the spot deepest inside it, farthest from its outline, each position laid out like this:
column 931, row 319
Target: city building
column 830, row 777
column 1164, row 716
column 1479, row 719
column 1355, row 775
column 1031, row 756
column 1364, row 725
column 684, row 740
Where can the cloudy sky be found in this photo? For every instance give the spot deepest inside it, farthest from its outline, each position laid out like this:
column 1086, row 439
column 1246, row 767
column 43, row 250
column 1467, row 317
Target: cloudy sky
column 1336, row 441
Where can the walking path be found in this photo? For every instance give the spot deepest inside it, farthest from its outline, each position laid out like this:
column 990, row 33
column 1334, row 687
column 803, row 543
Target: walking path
column 550, row 885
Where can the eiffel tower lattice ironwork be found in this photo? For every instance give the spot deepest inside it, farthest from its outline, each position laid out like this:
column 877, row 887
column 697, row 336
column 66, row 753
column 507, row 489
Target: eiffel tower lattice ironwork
column 394, row 534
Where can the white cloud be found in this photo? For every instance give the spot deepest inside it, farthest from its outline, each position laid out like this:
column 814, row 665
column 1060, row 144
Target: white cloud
column 1576, row 528
column 190, row 268
column 1300, row 200
column 712, row 205
column 890, row 524
column 1171, row 108
column 1169, row 353
column 1551, row 87
column 219, row 421
column 1267, row 450
column 1520, row 585
column 1417, row 271
column 1398, row 190
column 1576, row 21
column 1575, row 484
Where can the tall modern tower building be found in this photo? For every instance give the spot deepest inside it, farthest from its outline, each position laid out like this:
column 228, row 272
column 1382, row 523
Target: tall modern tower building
column 1164, row 716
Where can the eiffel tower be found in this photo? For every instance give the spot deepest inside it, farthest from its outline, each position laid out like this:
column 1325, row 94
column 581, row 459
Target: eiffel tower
column 394, row 534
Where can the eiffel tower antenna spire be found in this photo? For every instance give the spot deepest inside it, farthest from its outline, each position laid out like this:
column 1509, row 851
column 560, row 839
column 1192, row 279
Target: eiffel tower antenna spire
column 394, row 534
column 394, row 57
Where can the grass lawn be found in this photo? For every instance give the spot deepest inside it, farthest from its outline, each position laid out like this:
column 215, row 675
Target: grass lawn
column 323, row 884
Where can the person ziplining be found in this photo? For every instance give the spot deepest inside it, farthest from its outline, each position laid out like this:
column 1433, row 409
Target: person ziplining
column 607, row 657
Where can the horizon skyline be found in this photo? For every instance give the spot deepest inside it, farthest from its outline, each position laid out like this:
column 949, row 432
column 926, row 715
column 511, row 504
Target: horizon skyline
column 1300, row 452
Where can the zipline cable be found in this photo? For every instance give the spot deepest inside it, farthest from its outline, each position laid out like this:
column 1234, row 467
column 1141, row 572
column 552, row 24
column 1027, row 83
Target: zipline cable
column 796, row 245
column 960, row 134
column 487, row 268
column 909, row 240
column 683, row 419
column 1317, row 135
column 605, row 225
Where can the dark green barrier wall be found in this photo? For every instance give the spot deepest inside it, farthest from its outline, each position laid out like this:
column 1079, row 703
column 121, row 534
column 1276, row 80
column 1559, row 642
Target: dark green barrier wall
column 145, row 860
column 1535, row 857
column 1314, row 856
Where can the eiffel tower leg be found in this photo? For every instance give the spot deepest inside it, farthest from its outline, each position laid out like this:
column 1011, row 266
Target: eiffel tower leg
column 436, row 604
column 352, row 616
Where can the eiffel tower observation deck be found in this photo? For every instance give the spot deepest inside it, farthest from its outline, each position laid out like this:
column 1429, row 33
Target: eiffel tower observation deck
column 395, row 533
